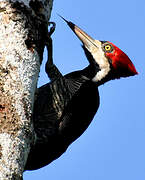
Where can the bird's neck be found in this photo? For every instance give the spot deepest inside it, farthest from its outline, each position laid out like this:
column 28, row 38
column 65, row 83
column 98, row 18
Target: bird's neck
column 88, row 74
column 91, row 72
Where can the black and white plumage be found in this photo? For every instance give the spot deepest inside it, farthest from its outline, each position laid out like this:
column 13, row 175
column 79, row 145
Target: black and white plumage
column 65, row 107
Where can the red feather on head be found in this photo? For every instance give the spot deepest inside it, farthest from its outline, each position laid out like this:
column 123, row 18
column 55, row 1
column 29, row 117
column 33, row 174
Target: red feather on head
column 121, row 62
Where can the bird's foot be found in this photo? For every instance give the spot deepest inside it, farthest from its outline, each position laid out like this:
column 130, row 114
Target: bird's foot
column 50, row 68
column 52, row 27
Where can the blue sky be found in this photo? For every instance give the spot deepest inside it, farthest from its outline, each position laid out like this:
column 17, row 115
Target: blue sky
column 113, row 147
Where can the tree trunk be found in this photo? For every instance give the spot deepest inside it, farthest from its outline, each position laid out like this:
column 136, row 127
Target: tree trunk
column 23, row 30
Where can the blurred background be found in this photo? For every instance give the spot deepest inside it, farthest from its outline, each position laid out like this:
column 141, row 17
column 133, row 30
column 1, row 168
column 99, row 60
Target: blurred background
column 113, row 147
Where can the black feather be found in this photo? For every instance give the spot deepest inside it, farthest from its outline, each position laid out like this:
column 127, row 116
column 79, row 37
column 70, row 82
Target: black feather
column 63, row 110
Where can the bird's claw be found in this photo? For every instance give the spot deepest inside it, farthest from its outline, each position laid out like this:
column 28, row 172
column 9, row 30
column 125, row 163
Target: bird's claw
column 52, row 28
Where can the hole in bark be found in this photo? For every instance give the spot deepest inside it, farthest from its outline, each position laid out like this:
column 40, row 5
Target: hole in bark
column 2, row 107
column 0, row 151
column 30, row 45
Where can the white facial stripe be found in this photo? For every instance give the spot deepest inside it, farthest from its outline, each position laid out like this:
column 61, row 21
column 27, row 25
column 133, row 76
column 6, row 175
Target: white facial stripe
column 101, row 74
column 101, row 60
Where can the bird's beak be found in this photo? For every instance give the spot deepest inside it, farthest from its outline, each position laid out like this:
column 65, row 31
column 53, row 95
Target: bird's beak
column 88, row 41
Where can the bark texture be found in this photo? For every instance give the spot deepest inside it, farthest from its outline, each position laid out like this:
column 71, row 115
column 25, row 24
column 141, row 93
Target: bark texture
column 22, row 37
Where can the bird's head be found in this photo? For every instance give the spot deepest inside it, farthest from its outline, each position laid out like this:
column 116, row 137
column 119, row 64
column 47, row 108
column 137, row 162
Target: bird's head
column 111, row 62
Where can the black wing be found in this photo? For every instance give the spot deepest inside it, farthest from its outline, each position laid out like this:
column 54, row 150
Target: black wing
column 79, row 112
column 51, row 100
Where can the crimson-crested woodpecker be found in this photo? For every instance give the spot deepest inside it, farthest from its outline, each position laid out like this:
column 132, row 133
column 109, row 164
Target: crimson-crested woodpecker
column 65, row 107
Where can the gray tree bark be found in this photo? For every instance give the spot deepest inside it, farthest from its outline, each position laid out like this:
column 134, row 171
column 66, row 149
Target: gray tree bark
column 23, row 30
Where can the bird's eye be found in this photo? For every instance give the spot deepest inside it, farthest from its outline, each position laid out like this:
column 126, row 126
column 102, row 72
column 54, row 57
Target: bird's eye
column 108, row 48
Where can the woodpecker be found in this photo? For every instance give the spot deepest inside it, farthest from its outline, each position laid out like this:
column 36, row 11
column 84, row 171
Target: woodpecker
column 65, row 107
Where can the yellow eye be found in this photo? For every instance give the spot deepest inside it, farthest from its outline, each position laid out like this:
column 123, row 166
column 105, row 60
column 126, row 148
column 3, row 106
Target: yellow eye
column 108, row 47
